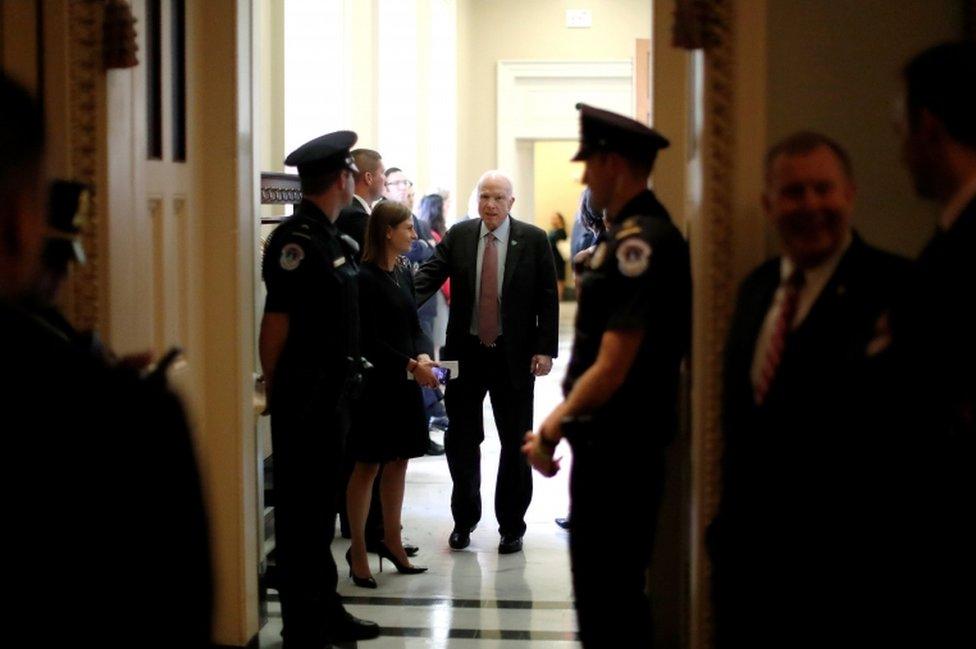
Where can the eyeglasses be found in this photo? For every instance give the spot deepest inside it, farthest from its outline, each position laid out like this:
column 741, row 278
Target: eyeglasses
column 400, row 183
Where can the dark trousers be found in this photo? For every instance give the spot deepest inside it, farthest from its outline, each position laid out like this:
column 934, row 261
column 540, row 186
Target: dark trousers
column 308, row 442
column 610, row 495
column 484, row 370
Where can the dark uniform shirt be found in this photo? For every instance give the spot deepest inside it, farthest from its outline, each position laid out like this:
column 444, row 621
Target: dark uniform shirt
column 310, row 275
column 105, row 504
column 638, row 278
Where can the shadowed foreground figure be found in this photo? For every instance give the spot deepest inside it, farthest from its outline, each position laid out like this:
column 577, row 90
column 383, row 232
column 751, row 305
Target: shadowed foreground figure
column 796, row 543
column 104, row 495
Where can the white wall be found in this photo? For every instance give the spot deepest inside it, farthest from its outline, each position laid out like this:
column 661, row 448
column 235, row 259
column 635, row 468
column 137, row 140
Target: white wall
column 528, row 30
column 385, row 69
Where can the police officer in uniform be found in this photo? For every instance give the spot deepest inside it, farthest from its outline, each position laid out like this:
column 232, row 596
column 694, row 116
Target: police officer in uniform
column 309, row 348
column 104, row 493
column 632, row 331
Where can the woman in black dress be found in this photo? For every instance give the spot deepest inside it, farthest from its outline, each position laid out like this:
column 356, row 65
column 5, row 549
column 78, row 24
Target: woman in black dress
column 557, row 233
column 389, row 423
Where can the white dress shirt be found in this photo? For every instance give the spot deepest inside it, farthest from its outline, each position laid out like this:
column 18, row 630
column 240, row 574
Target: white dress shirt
column 362, row 201
column 814, row 281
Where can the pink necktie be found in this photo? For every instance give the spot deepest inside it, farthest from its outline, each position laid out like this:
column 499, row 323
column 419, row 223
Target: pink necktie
column 774, row 353
column 488, row 304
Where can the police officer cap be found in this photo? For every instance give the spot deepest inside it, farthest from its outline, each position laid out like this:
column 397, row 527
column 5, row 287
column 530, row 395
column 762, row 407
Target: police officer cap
column 325, row 153
column 604, row 131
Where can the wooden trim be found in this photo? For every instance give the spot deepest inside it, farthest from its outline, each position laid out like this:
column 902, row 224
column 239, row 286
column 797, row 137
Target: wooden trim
column 86, row 96
column 714, row 291
column 642, row 81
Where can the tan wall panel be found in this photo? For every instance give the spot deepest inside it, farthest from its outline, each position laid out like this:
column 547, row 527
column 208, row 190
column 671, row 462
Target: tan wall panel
column 526, row 30
column 834, row 67
column 557, row 184
column 18, row 45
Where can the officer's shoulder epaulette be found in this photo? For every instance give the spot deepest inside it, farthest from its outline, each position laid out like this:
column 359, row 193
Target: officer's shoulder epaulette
column 632, row 226
column 350, row 245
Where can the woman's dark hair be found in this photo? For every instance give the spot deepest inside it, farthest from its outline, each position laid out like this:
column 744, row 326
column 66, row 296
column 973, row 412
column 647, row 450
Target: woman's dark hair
column 388, row 214
column 591, row 219
column 562, row 219
column 432, row 212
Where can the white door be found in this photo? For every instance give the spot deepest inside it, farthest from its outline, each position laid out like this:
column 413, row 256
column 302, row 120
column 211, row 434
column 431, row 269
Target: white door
column 152, row 261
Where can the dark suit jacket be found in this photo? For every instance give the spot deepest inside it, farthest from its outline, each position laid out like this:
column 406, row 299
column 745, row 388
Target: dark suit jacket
column 352, row 221
column 529, row 305
column 934, row 412
column 796, row 469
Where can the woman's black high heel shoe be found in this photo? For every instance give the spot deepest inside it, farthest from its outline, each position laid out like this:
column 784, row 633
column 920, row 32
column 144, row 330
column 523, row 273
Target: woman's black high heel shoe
column 362, row 582
column 402, row 568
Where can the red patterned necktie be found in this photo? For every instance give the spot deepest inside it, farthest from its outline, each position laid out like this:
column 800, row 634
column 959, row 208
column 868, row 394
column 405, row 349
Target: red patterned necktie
column 774, row 352
column 488, row 304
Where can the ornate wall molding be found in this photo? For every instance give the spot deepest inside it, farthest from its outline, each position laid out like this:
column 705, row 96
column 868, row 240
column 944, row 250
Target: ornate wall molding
column 86, row 100
column 715, row 287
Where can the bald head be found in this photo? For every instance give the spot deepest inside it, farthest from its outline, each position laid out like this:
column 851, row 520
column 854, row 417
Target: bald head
column 495, row 198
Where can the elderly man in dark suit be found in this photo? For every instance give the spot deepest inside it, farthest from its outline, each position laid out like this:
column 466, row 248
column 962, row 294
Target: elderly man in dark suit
column 795, row 519
column 502, row 328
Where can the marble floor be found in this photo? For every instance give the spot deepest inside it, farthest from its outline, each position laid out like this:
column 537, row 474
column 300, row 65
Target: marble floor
column 475, row 597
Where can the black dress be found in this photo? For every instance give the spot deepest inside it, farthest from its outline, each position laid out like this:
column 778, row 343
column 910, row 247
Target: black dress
column 555, row 236
column 389, row 420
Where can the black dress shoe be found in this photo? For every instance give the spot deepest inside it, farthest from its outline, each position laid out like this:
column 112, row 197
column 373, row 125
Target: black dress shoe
column 510, row 544
column 433, row 448
column 348, row 628
column 563, row 523
column 362, row 582
column 460, row 538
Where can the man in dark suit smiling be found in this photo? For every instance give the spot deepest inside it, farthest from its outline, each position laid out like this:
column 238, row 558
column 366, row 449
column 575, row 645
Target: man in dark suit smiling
column 502, row 328
column 796, row 522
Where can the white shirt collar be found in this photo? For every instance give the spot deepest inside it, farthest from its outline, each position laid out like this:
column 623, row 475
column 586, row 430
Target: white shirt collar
column 963, row 196
column 501, row 232
column 369, row 210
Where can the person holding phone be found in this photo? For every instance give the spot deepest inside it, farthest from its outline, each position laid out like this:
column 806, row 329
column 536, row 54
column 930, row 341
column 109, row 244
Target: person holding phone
column 389, row 423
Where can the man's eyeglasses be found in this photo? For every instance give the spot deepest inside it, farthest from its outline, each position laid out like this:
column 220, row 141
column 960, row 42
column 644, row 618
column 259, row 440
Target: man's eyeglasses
column 400, row 183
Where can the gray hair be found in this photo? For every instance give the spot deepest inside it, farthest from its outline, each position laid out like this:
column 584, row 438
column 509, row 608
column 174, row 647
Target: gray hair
column 495, row 174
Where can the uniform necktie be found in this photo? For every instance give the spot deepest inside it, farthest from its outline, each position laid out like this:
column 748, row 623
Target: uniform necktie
column 488, row 304
column 774, row 352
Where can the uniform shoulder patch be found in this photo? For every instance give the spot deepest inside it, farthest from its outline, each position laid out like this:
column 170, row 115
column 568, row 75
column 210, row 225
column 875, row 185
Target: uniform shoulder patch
column 633, row 257
column 292, row 255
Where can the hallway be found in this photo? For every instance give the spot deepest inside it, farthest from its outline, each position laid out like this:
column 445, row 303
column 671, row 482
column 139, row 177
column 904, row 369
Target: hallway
column 475, row 597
